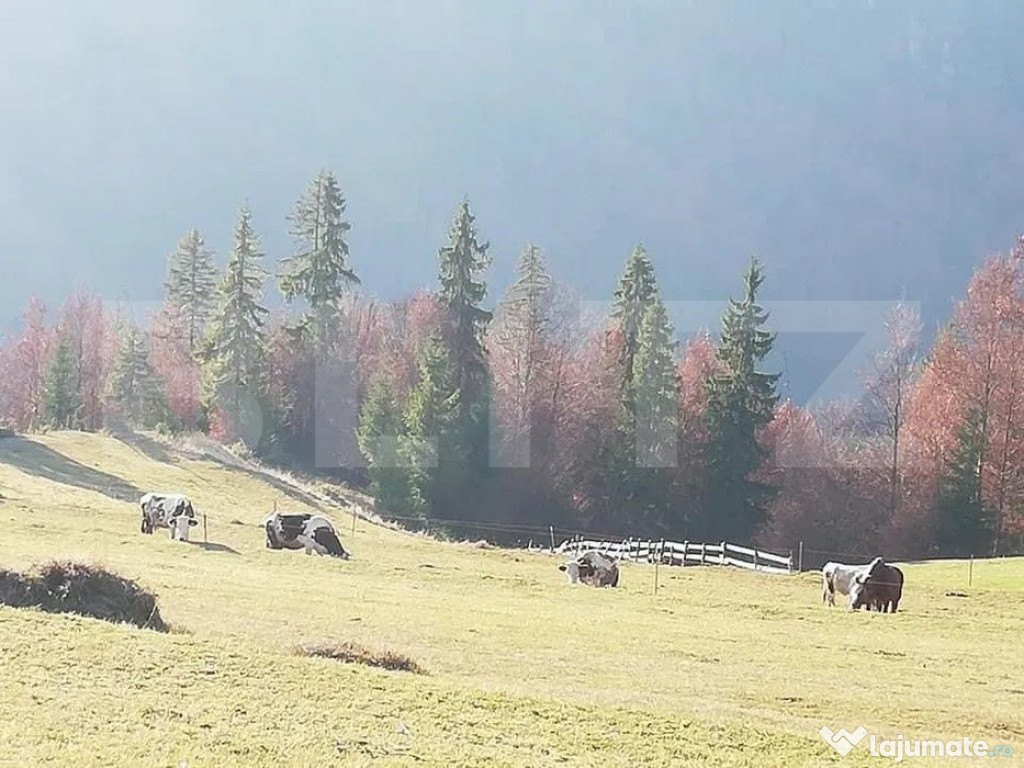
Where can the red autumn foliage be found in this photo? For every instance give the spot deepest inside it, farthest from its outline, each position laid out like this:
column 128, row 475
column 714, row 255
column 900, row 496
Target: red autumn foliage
column 696, row 368
column 291, row 383
column 592, row 390
column 23, row 363
column 173, row 360
column 83, row 325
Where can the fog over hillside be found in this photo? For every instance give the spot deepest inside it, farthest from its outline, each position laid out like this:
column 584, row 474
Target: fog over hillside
column 865, row 150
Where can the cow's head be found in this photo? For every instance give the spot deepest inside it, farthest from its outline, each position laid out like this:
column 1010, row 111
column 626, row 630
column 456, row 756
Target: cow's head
column 183, row 518
column 859, row 591
column 572, row 571
column 863, row 584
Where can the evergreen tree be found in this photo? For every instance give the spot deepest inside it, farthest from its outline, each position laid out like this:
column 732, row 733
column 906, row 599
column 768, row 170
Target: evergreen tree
column 636, row 291
column 522, row 336
column 966, row 524
column 135, row 384
column 320, row 271
column 653, row 392
column 379, row 433
column 526, row 307
column 462, row 261
column 237, row 345
column 741, row 401
column 62, row 401
column 192, row 284
column 429, row 419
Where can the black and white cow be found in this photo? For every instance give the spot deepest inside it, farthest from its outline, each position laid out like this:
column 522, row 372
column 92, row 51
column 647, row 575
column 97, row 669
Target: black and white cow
column 314, row 533
column 592, row 567
column 168, row 510
column 843, row 578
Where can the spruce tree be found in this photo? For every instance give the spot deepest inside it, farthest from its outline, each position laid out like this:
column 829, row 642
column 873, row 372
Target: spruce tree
column 636, row 291
column 523, row 327
column 966, row 524
column 462, row 262
column 654, row 389
column 526, row 307
column 62, row 401
column 741, row 402
column 237, row 346
column 135, row 384
column 192, row 284
column 319, row 272
column 379, row 433
column 430, row 415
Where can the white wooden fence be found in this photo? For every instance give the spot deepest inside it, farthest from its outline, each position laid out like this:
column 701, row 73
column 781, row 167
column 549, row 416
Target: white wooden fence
column 684, row 553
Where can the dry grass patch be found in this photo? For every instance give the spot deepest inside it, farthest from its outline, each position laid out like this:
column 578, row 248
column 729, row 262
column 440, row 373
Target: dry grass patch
column 353, row 653
column 87, row 590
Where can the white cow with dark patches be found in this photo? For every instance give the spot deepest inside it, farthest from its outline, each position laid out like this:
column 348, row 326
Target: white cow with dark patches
column 843, row 578
column 592, row 567
column 313, row 533
column 168, row 510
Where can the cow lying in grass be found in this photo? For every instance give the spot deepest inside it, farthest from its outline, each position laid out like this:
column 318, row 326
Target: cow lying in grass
column 593, row 568
column 168, row 510
column 314, row 533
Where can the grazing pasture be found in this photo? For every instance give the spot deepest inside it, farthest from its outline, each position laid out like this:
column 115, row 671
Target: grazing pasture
column 721, row 668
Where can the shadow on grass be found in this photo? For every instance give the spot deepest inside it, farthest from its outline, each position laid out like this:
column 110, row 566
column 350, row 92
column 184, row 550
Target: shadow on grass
column 212, row 546
column 157, row 451
column 36, row 459
column 147, row 446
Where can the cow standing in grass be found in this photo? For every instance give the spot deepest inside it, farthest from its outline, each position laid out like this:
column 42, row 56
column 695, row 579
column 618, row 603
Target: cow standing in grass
column 314, row 533
column 841, row 578
column 168, row 510
column 880, row 591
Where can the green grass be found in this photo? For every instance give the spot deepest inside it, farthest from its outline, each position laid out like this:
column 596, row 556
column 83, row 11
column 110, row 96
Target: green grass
column 720, row 668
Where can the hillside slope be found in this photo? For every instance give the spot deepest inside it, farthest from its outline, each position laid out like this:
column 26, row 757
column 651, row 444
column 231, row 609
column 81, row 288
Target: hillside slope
column 721, row 667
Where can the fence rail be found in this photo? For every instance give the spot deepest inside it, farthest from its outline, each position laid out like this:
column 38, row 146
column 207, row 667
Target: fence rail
column 684, row 553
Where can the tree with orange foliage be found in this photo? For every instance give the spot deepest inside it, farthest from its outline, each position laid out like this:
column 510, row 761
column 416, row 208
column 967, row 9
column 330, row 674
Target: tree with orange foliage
column 23, row 364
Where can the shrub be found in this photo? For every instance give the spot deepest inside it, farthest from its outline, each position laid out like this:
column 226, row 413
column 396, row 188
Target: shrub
column 356, row 654
column 88, row 590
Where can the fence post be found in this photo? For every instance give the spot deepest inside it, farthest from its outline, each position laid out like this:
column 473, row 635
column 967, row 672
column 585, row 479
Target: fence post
column 790, row 564
column 703, row 552
column 800, row 562
column 551, row 530
column 656, row 564
column 755, row 561
column 686, row 548
column 721, row 559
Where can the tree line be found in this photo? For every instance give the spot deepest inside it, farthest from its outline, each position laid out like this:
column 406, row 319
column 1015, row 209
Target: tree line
column 504, row 422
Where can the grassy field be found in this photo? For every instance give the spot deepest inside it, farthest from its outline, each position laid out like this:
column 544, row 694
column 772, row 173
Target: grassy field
column 720, row 668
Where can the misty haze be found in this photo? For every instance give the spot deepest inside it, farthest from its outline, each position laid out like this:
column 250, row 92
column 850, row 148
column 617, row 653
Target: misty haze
column 511, row 383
